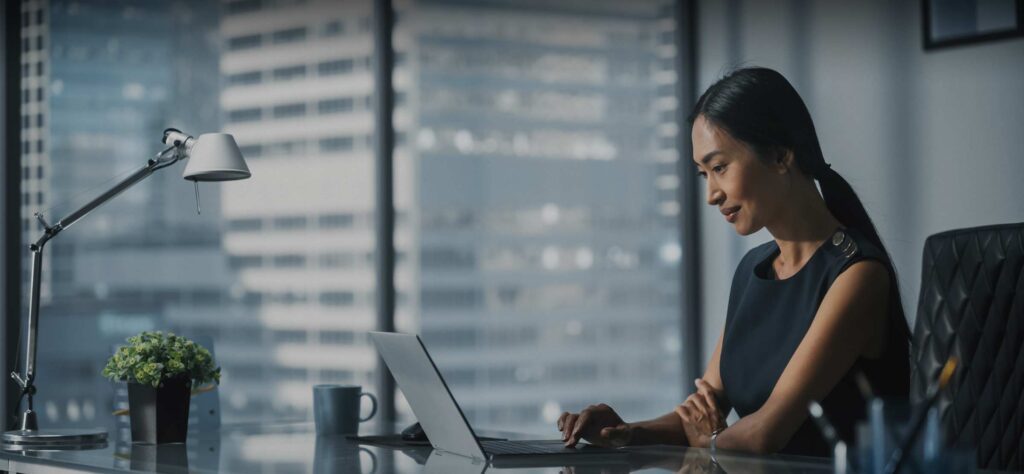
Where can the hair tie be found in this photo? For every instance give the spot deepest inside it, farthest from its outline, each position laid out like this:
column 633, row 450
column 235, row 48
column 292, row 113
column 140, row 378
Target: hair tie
column 825, row 171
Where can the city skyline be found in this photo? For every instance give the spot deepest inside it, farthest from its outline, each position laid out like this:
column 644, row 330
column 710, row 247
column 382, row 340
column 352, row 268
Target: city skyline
column 535, row 201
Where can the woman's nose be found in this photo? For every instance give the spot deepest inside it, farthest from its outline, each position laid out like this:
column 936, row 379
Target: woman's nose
column 714, row 195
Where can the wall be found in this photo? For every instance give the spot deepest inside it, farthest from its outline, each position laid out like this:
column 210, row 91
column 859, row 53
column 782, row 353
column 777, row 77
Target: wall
column 930, row 141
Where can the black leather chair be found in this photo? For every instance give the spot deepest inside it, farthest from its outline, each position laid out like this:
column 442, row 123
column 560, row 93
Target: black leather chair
column 972, row 306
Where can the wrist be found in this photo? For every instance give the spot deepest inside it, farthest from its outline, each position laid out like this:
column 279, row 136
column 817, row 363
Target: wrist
column 713, row 440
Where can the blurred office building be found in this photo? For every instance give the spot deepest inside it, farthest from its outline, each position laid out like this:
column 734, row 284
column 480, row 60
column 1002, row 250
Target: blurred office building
column 101, row 80
column 535, row 186
column 535, row 192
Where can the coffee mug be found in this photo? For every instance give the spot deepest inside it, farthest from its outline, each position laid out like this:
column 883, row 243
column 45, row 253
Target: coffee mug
column 336, row 408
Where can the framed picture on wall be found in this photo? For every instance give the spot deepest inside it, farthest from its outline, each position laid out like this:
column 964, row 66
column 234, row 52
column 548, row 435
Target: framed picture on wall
column 957, row 22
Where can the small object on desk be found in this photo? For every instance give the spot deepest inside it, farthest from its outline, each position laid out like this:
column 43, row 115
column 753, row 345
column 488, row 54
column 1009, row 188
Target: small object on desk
column 336, row 408
column 828, row 430
column 412, row 436
column 918, row 418
column 414, row 432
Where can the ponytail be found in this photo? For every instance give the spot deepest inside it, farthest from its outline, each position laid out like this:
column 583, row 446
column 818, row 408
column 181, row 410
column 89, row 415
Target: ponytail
column 842, row 201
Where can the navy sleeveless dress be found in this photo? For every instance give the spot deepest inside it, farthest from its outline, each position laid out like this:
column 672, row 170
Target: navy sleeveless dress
column 768, row 318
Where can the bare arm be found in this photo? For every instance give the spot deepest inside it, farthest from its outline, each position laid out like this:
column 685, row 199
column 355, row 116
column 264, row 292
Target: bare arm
column 713, row 376
column 666, row 429
column 600, row 425
column 848, row 324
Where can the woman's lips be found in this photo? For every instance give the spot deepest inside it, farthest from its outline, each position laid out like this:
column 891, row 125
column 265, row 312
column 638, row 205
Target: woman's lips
column 730, row 214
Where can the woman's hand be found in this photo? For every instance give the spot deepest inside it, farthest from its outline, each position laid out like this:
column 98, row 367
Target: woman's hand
column 598, row 424
column 701, row 415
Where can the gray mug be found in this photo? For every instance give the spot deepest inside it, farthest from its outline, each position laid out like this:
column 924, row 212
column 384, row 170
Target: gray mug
column 336, row 408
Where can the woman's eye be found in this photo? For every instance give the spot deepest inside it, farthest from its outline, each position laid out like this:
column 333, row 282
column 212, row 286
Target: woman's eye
column 718, row 169
column 703, row 174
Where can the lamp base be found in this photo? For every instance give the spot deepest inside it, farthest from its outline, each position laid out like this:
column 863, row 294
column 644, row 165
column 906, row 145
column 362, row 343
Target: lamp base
column 54, row 439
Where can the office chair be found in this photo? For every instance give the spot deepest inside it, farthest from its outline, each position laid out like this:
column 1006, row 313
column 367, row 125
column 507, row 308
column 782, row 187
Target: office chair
column 972, row 306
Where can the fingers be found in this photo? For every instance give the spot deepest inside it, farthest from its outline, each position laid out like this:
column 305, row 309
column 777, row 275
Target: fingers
column 684, row 412
column 577, row 430
column 561, row 420
column 568, row 425
column 707, row 392
column 702, row 410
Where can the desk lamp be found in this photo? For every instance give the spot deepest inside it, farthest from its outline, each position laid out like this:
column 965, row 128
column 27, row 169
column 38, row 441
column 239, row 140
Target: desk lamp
column 211, row 157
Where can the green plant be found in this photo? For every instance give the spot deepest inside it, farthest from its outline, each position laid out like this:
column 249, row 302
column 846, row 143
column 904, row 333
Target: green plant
column 152, row 357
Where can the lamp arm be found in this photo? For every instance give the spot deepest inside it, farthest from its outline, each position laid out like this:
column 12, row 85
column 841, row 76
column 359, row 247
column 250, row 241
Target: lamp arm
column 163, row 159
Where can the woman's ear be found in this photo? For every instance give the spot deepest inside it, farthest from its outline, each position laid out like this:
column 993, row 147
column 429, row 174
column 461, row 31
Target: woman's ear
column 785, row 161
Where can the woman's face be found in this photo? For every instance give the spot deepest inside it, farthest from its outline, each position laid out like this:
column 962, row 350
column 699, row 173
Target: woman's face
column 740, row 185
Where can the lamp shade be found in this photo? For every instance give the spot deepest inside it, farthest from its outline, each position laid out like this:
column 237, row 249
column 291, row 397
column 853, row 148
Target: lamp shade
column 215, row 157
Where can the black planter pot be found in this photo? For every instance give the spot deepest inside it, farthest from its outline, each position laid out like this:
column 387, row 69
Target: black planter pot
column 159, row 415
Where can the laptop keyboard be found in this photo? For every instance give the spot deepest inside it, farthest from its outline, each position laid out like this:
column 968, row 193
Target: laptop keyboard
column 527, row 447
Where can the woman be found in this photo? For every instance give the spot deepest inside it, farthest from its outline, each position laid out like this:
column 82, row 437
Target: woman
column 809, row 313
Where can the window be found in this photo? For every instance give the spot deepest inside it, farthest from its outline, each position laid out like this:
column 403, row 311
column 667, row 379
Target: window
column 337, row 298
column 339, row 66
column 241, row 262
column 245, row 224
column 289, row 261
column 251, row 151
column 286, row 148
column 335, row 221
column 334, row 28
column 337, row 338
column 289, row 337
column 436, row 258
column 245, row 78
column 289, row 110
column 502, row 267
column 289, row 73
column 290, row 222
column 334, row 106
column 245, row 115
column 450, row 298
column 239, row 43
column 335, row 376
column 238, row 7
column 290, row 35
column 335, row 144
column 335, row 260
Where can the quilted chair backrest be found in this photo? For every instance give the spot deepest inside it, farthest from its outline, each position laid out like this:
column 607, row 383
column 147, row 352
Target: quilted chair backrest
column 972, row 306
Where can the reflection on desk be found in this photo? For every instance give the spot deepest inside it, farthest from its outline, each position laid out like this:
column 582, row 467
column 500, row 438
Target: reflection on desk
column 288, row 448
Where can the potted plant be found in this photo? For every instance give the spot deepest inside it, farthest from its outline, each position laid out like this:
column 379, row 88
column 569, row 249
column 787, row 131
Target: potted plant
column 160, row 370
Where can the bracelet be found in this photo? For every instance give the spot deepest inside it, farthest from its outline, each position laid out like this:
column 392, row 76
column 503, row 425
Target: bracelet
column 714, row 439
column 714, row 449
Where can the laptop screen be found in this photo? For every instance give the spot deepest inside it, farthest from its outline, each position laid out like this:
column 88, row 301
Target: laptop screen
column 428, row 395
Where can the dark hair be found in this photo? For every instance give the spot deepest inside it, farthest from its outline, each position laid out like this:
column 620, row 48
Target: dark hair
column 759, row 107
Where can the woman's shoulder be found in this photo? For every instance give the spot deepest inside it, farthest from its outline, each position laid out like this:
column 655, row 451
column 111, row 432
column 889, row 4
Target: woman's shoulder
column 848, row 246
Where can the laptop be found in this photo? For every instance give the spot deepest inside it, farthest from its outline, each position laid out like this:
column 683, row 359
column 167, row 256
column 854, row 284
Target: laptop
column 439, row 414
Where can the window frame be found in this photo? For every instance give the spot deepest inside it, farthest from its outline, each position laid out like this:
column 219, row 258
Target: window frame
column 688, row 196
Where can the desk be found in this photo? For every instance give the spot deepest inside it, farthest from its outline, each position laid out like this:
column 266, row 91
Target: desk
column 294, row 448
